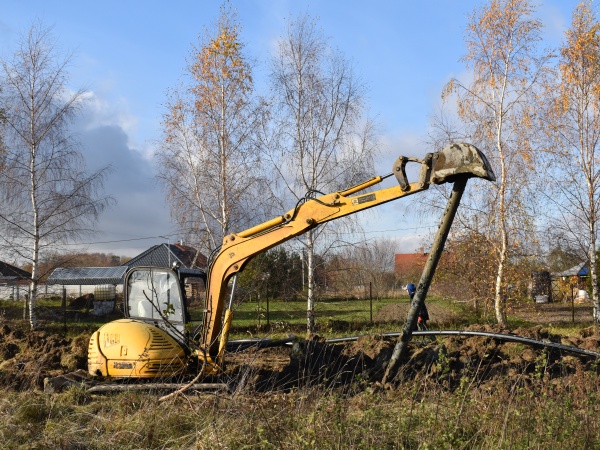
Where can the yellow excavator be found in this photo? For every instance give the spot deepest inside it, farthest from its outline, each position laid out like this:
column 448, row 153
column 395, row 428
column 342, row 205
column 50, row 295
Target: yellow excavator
column 154, row 340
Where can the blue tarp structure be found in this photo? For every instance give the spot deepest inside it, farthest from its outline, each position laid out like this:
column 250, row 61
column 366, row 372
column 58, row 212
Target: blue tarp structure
column 580, row 270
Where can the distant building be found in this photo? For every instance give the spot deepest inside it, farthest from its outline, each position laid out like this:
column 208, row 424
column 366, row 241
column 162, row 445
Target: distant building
column 574, row 282
column 408, row 266
column 13, row 275
column 13, row 282
column 161, row 255
column 164, row 255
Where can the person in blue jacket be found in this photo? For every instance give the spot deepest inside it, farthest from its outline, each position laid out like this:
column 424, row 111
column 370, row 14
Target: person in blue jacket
column 423, row 315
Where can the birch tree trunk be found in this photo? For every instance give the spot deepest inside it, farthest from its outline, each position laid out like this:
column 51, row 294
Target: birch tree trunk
column 48, row 198
column 310, row 299
column 495, row 109
column 210, row 166
column 320, row 142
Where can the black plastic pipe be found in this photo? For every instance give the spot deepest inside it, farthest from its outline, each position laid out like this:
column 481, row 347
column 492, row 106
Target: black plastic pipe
column 498, row 336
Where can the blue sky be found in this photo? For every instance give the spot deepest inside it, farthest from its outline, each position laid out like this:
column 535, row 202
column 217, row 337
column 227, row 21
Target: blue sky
column 127, row 54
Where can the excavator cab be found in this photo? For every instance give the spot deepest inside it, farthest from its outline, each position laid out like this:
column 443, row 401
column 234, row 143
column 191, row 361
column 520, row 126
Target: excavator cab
column 157, row 295
column 154, row 295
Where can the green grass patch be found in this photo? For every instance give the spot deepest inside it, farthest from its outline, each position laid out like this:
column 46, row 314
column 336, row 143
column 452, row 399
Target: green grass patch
column 250, row 313
column 53, row 318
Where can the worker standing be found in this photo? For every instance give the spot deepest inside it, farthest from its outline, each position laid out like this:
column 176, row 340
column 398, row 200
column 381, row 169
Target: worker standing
column 423, row 315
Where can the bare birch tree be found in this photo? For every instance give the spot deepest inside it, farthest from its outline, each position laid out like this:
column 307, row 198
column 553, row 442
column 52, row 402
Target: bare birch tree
column 322, row 145
column 209, row 162
column 502, row 41
column 374, row 264
column 572, row 122
column 47, row 199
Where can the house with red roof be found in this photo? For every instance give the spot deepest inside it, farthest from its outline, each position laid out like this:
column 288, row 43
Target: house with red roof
column 408, row 266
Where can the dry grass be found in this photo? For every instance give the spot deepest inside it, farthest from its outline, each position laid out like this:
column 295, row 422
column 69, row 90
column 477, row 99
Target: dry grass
column 519, row 412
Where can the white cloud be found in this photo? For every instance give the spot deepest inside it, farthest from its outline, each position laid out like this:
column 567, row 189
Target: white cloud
column 104, row 132
column 100, row 112
column 410, row 243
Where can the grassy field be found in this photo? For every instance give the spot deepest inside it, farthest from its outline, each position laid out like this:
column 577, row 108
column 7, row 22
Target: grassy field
column 333, row 318
column 423, row 415
column 281, row 314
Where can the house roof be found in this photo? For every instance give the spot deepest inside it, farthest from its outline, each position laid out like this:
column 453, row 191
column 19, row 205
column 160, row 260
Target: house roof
column 87, row 275
column 9, row 272
column 164, row 255
column 405, row 261
column 580, row 270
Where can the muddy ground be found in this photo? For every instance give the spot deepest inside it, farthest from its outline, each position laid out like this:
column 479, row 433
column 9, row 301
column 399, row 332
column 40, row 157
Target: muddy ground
column 28, row 357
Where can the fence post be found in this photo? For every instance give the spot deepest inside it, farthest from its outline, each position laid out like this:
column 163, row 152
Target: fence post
column 258, row 309
column 371, row 300
column 26, row 303
column 572, row 306
column 268, row 318
column 64, row 307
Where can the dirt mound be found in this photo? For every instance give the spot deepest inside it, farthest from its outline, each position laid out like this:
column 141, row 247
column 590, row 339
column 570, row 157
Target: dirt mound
column 27, row 357
column 482, row 360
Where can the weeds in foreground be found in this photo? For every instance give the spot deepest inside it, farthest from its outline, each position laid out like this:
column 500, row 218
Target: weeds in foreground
column 517, row 412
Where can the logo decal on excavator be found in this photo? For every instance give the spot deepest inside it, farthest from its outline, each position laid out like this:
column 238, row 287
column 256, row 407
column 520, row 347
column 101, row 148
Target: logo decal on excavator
column 111, row 339
column 363, row 199
column 122, row 365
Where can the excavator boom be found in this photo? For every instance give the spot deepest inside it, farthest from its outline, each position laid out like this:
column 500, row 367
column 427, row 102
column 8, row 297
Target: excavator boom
column 455, row 162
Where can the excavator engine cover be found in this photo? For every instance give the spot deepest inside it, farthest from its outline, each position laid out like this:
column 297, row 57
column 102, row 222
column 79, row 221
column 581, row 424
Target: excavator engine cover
column 460, row 159
column 133, row 349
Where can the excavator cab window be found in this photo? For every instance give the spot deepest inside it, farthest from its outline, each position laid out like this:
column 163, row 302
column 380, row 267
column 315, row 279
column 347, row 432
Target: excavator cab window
column 155, row 295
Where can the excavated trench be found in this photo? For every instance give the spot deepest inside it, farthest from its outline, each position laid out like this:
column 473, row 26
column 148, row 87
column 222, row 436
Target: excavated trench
column 484, row 354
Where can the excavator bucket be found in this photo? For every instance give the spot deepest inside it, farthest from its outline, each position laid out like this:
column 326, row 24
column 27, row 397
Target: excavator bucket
column 460, row 160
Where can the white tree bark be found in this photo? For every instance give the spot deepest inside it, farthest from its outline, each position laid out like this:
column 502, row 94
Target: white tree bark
column 48, row 199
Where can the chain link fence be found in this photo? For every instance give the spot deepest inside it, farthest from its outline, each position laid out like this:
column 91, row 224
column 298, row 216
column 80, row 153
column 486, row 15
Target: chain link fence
column 65, row 304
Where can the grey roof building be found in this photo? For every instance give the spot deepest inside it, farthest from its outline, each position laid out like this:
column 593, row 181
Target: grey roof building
column 87, row 275
column 580, row 270
column 12, row 274
column 161, row 255
column 164, row 255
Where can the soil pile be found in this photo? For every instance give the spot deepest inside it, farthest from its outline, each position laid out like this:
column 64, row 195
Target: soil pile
column 446, row 360
column 27, row 357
